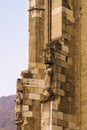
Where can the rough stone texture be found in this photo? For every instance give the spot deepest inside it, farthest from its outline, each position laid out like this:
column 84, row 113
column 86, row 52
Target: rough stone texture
column 81, row 64
column 63, row 32
column 53, row 93
column 36, row 32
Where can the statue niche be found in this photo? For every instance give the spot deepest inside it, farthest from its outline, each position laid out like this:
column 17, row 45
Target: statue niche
column 48, row 92
column 18, row 108
column 48, row 76
column 48, row 56
column 19, row 85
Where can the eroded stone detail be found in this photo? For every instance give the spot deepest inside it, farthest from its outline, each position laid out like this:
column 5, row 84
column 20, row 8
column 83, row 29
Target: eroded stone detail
column 19, row 85
column 18, row 108
column 48, row 75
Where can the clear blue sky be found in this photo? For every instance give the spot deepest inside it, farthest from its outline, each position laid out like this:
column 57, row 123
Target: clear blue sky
column 13, row 43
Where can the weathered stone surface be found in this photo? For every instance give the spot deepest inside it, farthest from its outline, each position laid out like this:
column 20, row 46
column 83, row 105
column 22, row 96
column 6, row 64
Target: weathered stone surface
column 64, row 22
column 34, row 96
column 57, row 115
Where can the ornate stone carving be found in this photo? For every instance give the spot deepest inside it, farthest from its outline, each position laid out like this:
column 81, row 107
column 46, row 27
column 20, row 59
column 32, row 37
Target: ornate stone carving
column 48, row 92
column 18, row 108
column 48, row 95
column 19, row 85
column 48, row 76
column 48, row 56
column 18, row 118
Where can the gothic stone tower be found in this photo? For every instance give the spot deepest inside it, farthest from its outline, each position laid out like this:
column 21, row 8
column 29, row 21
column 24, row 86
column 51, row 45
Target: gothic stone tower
column 52, row 94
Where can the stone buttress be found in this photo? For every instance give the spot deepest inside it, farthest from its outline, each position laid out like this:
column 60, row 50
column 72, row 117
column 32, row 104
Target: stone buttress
column 58, row 104
column 46, row 92
column 28, row 106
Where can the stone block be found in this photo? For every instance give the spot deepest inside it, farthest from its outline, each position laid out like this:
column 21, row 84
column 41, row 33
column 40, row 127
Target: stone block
column 70, row 29
column 57, row 114
column 56, row 3
column 32, row 3
column 56, row 24
column 46, row 106
column 45, row 115
column 27, row 102
column 70, row 18
column 45, row 122
column 25, row 108
column 64, row 64
column 54, row 121
column 60, row 92
column 59, row 122
column 54, row 127
column 28, row 114
column 26, row 96
column 56, row 10
column 69, row 117
column 65, row 48
column 34, row 83
column 67, row 11
column 66, row 109
column 38, row 90
column 67, row 36
column 34, row 96
column 34, row 70
column 60, row 56
column 72, row 125
column 46, row 127
column 62, row 123
column 31, row 89
column 61, row 77
column 54, row 105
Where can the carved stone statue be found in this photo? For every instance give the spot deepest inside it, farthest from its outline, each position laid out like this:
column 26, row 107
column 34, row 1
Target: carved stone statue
column 48, row 92
column 18, row 118
column 18, row 108
column 19, row 85
column 19, row 98
column 48, row 95
column 48, row 56
column 48, row 76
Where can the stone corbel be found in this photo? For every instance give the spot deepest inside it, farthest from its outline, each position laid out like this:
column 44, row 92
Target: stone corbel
column 48, row 95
